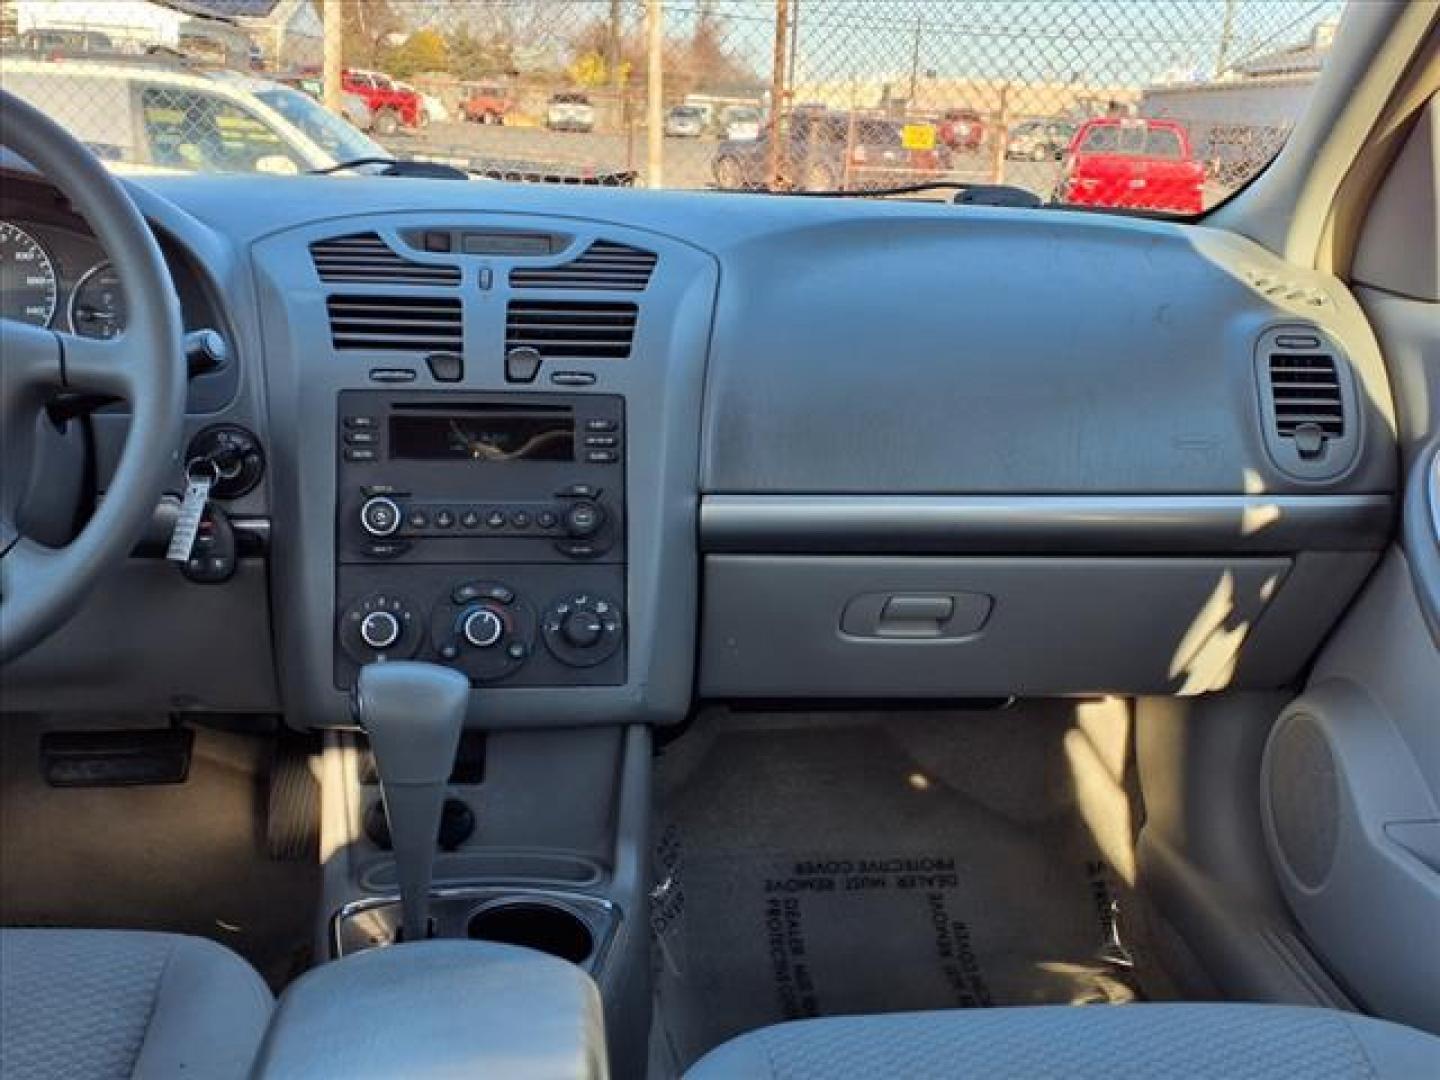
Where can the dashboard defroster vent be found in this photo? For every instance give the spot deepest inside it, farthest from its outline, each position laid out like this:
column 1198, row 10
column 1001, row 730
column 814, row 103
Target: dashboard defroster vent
column 366, row 259
column 604, row 265
column 572, row 330
column 398, row 323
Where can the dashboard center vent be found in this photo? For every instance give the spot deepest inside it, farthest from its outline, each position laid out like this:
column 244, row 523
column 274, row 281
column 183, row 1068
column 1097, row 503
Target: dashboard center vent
column 402, row 323
column 1308, row 402
column 364, row 258
column 571, row 330
column 1306, row 391
column 603, row 265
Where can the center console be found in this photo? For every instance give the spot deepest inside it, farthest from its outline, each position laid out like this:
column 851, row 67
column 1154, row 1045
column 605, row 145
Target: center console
column 485, row 532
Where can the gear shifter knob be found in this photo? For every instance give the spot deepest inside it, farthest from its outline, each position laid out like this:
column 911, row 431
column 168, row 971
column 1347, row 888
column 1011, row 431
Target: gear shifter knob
column 413, row 713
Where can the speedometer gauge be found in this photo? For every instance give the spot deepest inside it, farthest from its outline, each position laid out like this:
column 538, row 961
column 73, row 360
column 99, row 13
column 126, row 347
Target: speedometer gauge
column 28, row 290
column 97, row 306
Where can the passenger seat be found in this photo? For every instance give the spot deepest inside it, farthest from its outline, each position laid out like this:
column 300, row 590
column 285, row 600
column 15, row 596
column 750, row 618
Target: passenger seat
column 1129, row 1042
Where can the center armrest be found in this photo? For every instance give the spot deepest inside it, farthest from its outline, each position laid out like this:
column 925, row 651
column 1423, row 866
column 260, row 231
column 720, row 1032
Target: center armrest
column 439, row 1008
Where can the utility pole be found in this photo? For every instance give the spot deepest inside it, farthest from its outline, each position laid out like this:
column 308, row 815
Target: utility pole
column 915, row 62
column 334, row 58
column 655, row 94
column 777, row 95
column 1227, row 34
column 794, row 40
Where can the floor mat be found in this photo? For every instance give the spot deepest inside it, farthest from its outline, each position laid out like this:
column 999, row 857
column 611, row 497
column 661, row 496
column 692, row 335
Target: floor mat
column 188, row 857
column 866, row 863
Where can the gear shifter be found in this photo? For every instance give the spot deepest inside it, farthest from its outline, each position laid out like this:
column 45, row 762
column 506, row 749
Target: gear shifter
column 413, row 713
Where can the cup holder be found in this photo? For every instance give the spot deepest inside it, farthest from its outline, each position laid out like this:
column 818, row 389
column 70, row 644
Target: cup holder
column 544, row 927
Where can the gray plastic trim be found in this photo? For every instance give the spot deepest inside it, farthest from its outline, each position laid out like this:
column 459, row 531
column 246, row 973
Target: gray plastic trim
column 1033, row 524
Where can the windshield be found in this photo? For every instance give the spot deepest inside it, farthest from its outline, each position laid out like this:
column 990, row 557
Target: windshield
column 778, row 95
column 335, row 136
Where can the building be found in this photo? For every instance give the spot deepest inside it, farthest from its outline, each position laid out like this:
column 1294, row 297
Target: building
column 140, row 26
column 1238, row 122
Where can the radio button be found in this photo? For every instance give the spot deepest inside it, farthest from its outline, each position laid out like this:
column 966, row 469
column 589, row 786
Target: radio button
column 360, row 423
column 379, row 516
column 418, row 519
column 444, row 519
column 495, row 519
column 602, row 440
column 361, row 438
column 547, row 519
column 584, row 519
column 601, row 457
column 469, row 520
column 520, row 519
column 359, row 453
column 600, row 423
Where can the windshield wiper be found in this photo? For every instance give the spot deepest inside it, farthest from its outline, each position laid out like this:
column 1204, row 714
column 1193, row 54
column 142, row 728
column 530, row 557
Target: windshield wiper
column 433, row 170
column 966, row 193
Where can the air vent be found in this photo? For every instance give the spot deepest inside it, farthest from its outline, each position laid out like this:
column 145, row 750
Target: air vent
column 1308, row 402
column 402, row 323
column 364, row 258
column 603, row 265
column 571, row 330
column 1306, row 391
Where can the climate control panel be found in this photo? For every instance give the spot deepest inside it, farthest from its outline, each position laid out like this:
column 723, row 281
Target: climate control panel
column 516, row 626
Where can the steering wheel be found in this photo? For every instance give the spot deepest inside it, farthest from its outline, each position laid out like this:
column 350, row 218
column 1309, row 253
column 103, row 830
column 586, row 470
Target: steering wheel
column 40, row 587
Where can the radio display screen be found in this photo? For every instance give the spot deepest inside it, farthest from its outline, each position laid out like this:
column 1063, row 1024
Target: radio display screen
column 485, row 434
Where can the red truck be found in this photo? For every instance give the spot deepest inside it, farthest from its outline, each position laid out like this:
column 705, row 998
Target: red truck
column 1132, row 164
column 486, row 104
column 390, row 106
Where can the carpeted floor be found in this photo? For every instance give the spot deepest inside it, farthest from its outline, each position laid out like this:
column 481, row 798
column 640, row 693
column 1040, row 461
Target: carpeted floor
column 853, row 863
column 187, row 857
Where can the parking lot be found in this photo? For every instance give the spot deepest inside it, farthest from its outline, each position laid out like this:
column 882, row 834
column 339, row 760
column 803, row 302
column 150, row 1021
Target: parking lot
column 687, row 162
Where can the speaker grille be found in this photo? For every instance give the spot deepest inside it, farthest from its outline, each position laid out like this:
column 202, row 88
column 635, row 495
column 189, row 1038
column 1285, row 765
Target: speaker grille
column 1304, row 798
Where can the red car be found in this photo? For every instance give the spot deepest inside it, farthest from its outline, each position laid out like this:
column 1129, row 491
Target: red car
column 391, row 106
column 1132, row 164
column 961, row 129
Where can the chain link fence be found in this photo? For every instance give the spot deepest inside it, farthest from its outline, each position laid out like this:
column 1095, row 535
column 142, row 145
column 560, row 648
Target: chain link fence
column 1162, row 104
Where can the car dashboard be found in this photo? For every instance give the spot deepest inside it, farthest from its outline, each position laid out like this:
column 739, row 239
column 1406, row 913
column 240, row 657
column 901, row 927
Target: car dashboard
column 610, row 452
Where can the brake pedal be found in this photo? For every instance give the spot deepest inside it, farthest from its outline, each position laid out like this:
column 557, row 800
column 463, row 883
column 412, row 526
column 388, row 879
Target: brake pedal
column 83, row 759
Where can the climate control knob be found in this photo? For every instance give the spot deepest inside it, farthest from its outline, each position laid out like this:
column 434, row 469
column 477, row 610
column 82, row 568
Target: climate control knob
column 380, row 629
column 483, row 628
column 582, row 629
column 379, row 516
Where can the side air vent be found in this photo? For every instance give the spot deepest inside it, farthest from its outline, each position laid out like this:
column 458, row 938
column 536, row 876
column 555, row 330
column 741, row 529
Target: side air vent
column 1307, row 396
column 570, row 330
column 603, row 265
column 1306, row 391
column 364, row 258
column 401, row 323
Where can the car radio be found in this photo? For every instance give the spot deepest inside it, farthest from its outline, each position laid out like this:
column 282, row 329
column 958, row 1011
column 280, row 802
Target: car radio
column 496, row 478
column 482, row 531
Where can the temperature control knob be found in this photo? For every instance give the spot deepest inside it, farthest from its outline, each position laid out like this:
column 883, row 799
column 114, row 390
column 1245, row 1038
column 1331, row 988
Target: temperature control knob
column 380, row 517
column 380, row 629
column 483, row 627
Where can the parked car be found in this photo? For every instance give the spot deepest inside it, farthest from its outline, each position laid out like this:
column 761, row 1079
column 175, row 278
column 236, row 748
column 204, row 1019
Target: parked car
column 431, row 107
column 1133, row 164
column 570, row 112
column 827, row 152
column 163, row 119
column 354, row 108
column 1039, row 140
column 341, row 140
column 961, row 129
column 740, row 123
column 392, row 107
column 684, row 122
column 486, row 104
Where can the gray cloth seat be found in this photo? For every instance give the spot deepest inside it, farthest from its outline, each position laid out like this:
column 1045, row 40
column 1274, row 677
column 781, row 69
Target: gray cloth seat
column 93, row 1004
column 1129, row 1042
